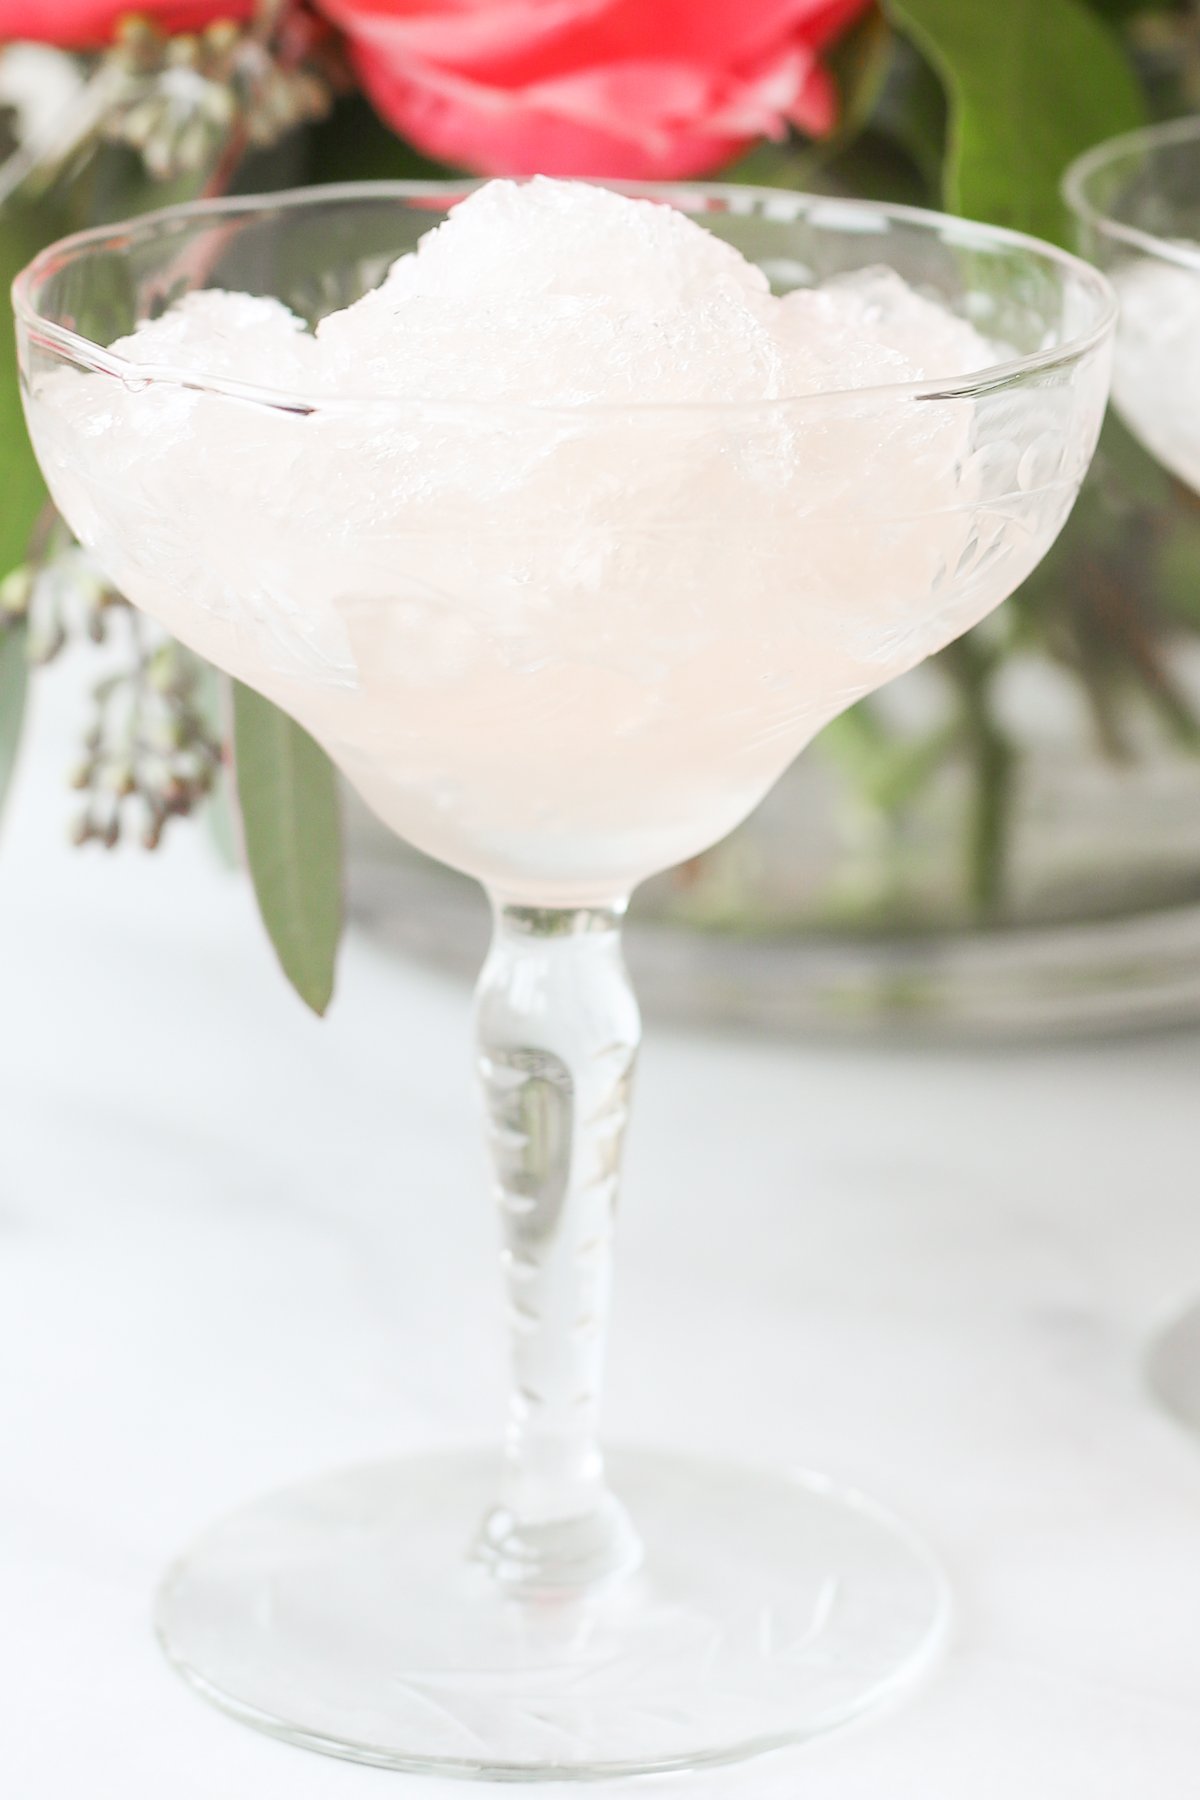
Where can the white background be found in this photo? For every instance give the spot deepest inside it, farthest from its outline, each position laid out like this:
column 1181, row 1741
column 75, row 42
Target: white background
column 238, row 1247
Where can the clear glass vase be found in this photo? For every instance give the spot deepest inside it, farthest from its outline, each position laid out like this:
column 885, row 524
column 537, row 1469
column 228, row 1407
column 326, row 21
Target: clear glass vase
column 1004, row 844
column 560, row 647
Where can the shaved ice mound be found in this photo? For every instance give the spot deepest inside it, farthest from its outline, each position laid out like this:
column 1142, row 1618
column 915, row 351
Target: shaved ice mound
column 570, row 533
column 238, row 337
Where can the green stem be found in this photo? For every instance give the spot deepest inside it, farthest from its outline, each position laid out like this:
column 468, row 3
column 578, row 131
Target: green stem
column 993, row 760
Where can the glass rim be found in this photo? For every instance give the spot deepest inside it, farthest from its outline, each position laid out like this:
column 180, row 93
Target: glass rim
column 1079, row 173
column 741, row 198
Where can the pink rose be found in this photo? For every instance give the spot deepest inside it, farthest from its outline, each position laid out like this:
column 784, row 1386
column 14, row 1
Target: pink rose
column 628, row 88
column 87, row 24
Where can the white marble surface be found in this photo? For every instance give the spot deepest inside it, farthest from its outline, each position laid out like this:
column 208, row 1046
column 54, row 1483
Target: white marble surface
column 237, row 1247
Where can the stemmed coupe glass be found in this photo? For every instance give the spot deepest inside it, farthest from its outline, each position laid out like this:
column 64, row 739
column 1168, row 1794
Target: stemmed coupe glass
column 559, row 647
column 1136, row 201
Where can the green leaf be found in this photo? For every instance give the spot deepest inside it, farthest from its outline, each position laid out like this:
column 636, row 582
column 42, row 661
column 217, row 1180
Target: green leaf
column 288, row 801
column 1031, row 83
column 14, row 675
column 911, row 112
column 21, row 483
column 860, row 63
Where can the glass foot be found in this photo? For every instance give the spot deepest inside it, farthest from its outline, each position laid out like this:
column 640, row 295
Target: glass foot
column 1173, row 1368
column 346, row 1616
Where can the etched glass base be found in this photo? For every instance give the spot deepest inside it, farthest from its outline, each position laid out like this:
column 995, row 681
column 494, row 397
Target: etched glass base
column 347, row 1615
column 1173, row 1368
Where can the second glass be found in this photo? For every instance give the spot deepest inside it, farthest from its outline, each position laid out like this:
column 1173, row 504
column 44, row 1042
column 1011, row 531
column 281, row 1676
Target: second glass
column 1136, row 201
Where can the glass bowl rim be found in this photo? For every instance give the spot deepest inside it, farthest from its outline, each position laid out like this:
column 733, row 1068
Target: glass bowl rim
column 743, row 198
column 1146, row 137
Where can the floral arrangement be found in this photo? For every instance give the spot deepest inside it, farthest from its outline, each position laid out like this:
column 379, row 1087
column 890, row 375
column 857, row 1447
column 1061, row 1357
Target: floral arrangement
column 105, row 111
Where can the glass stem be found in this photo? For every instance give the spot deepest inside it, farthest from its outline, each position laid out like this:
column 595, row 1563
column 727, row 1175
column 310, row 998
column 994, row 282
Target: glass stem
column 558, row 1031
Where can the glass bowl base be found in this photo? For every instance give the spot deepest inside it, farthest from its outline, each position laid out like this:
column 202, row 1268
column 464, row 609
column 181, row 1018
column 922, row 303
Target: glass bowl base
column 346, row 1615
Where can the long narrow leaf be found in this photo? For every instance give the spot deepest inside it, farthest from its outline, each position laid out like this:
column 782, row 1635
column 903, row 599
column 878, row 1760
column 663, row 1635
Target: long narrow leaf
column 288, row 802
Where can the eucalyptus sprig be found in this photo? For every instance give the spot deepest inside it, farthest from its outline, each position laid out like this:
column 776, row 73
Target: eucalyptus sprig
column 150, row 749
column 150, row 752
column 181, row 101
